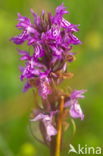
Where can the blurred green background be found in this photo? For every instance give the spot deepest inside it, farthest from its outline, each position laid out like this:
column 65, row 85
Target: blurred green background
column 15, row 106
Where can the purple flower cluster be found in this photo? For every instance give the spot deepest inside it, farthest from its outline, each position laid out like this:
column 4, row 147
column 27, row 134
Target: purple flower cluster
column 51, row 38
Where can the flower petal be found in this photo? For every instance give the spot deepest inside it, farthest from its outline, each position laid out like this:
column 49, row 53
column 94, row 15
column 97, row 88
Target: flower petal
column 76, row 112
column 77, row 94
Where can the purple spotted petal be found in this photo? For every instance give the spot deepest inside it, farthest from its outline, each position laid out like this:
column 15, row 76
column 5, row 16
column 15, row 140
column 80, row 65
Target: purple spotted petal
column 73, row 105
column 77, row 94
column 61, row 10
column 51, row 131
column 43, row 85
column 76, row 112
column 25, row 55
column 74, row 40
column 20, row 38
column 38, row 117
column 24, row 22
column 38, row 51
column 65, row 23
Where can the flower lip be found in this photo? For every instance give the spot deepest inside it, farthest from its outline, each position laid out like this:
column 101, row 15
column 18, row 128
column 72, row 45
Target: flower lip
column 76, row 112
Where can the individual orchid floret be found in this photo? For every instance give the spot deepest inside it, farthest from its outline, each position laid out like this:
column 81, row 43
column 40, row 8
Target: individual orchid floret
column 24, row 23
column 60, row 11
column 38, row 51
column 32, row 68
column 76, row 94
column 21, row 38
column 28, row 30
column 44, row 88
column 75, row 109
column 47, row 121
column 24, row 55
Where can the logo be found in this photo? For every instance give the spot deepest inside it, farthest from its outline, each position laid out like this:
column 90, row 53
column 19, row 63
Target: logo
column 84, row 150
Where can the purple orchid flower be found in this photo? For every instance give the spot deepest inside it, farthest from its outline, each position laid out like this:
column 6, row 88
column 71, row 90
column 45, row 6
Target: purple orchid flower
column 50, row 39
column 47, row 121
column 38, row 51
column 76, row 111
column 43, row 85
column 28, row 30
column 76, row 94
column 60, row 11
column 72, row 103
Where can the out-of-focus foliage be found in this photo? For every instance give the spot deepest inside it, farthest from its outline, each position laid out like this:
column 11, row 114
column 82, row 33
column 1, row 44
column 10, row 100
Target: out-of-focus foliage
column 15, row 107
